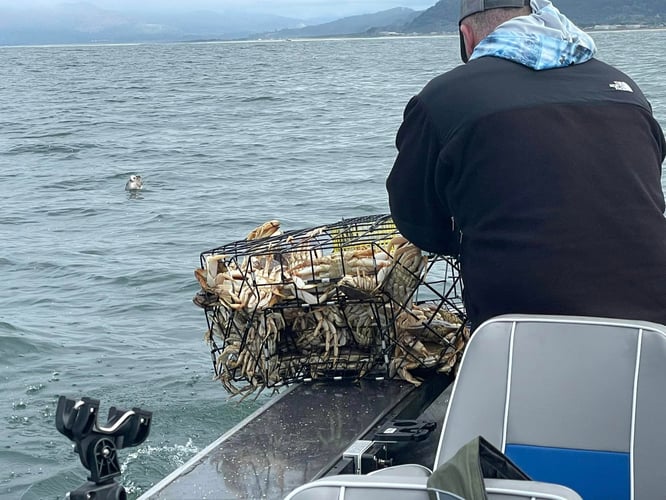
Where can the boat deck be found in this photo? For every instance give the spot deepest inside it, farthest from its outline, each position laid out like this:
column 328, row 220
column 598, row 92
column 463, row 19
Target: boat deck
column 296, row 437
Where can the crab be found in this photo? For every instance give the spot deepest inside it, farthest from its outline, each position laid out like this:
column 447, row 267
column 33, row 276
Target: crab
column 410, row 353
column 269, row 228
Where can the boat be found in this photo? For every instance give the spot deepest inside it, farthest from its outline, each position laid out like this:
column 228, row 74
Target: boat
column 574, row 402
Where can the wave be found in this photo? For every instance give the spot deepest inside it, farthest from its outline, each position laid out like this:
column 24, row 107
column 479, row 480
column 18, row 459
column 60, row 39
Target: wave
column 42, row 149
column 4, row 261
column 69, row 185
column 261, row 98
column 48, row 134
column 68, row 211
column 15, row 220
column 15, row 343
column 137, row 469
column 54, row 487
column 48, row 149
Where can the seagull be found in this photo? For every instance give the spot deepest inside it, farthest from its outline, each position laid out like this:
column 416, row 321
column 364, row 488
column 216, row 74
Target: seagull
column 134, row 183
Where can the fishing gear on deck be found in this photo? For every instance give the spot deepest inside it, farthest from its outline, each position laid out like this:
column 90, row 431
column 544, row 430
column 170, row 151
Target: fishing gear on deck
column 97, row 445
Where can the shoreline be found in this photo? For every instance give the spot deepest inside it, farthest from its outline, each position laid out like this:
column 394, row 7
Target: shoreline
column 348, row 37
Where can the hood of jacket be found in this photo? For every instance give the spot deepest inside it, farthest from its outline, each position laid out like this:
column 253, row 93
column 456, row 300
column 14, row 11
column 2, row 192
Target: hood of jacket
column 545, row 39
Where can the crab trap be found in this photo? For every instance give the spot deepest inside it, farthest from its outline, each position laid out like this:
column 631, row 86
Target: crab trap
column 347, row 300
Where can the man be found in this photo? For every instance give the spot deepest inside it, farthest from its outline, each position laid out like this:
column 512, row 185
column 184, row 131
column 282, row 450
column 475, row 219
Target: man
column 539, row 167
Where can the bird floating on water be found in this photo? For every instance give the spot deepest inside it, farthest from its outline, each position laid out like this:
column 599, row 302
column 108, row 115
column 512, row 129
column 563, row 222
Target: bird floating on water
column 134, row 183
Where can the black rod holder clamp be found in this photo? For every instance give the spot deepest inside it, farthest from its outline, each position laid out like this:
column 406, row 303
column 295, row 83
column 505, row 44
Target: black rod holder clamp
column 97, row 444
column 405, row 430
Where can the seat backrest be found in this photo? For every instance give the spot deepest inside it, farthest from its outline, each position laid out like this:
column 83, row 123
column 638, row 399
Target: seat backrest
column 368, row 487
column 571, row 400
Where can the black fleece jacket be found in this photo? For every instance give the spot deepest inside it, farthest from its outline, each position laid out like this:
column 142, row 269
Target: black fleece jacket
column 545, row 184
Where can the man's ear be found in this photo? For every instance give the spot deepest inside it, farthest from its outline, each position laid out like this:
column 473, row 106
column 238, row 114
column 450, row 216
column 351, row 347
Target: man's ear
column 469, row 38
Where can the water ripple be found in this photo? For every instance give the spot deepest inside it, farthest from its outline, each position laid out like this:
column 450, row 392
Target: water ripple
column 47, row 149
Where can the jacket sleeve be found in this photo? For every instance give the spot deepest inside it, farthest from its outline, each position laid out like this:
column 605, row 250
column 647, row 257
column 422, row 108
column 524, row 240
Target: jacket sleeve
column 417, row 205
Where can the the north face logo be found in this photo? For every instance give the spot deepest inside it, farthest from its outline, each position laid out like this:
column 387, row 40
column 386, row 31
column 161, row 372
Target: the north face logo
column 622, row 86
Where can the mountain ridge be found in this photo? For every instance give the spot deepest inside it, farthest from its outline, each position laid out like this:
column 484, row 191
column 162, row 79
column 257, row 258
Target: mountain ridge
column 353, row 25
column 443, row 16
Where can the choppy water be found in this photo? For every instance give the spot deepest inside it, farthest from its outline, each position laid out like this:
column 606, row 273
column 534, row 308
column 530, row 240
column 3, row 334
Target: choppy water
column 97, row 284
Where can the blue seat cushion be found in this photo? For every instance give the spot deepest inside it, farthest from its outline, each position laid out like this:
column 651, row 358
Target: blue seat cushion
column 592, row 474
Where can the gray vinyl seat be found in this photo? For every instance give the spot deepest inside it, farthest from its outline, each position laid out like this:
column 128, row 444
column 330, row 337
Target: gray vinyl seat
column 391, row 484
column 575, row 402
column 368, row 487
column 571, row 400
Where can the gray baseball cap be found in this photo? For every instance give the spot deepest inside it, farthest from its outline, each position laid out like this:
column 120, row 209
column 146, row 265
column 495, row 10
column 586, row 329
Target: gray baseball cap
column 469, row 7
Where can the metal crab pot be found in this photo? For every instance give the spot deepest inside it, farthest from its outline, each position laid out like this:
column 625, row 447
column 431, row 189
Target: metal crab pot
column 348, row 300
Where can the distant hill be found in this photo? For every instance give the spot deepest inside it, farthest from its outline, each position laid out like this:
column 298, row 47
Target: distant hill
column 443, row 16
column 392, row 20
column 591, row 12
column 440, row 18
column 83, row 22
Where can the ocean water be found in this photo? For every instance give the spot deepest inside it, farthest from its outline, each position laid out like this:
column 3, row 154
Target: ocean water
column 97, row 283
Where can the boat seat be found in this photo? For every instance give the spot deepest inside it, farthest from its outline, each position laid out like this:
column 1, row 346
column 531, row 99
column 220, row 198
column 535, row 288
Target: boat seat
column 574, row 401
column 368, row 487
column 396, row 487
column 406, row 470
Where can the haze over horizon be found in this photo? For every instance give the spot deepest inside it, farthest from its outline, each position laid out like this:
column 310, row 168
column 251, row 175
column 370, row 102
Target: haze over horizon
column 302, row 9
column 121, row 21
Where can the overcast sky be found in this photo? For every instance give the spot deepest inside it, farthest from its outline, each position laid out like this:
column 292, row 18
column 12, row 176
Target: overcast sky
column 290, row 8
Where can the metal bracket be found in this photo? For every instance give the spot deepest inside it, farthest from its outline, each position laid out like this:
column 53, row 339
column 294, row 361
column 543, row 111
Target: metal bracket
column 405, row 430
